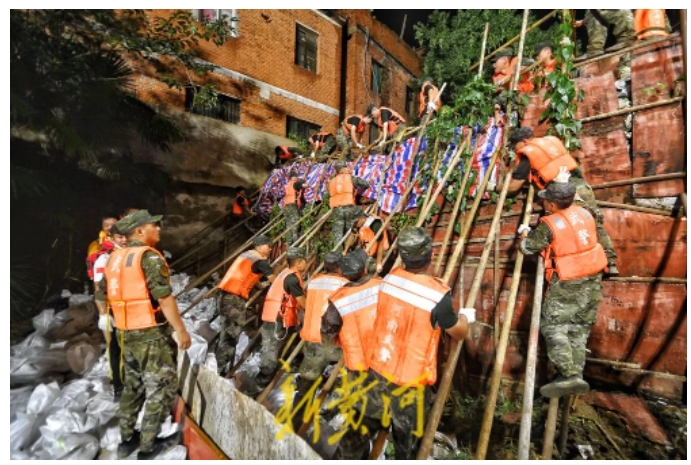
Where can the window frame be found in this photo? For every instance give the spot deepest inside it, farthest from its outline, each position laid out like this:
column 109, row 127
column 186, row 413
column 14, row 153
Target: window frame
column 233, row 18
column 375, row 64
column 373, row 132
column 300, row 57
column 216, row 112
column 410, row 101
column 310, row 127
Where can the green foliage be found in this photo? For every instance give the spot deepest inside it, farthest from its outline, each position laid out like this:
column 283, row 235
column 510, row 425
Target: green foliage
column 453, row 42
column 401, row 221
column 561, row 92
column 302, row 144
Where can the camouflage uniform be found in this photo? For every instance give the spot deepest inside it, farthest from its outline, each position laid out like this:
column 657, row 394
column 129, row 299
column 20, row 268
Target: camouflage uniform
column 149, row 358
column 317, row 357
column 292, row 213
column 234, row 319
column 597, row 23
column 568, row 311
column 343, row 140
column 586, row 199
column 271, row 350
column 345, row 217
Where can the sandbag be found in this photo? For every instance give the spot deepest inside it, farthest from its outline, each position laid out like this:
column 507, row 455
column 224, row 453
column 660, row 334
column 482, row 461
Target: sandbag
column 24, row 430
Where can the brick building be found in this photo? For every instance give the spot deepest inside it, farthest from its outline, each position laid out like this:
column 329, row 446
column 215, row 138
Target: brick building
column 298, row 71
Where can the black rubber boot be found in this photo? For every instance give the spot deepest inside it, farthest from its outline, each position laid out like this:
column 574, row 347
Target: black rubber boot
column 161, row 445
column 612, row 270
column 303, row 386
column 126, row 448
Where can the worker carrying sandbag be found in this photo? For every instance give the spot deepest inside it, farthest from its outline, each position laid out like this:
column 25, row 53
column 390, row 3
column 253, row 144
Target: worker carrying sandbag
column 342, row 192
column 574, row 262
column 350, row 133
column 322, row 142
column 390, row 123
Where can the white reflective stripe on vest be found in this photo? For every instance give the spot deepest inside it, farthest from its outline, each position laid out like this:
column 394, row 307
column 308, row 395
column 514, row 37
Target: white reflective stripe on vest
column 368, row 222
column 358, row 300
column 408, row 297
column 323, row 287
column 250, row 255
column 412, row 286
column 325, row 280
column 369, row 301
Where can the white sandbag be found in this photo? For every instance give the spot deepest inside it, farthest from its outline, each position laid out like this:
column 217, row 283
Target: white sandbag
column 63, row 422
column 65, row 294
column 168, row 428
column 179, row 281
column 74, row 395
column 75, row 300
column 110, row 439
column 44, row 321
column 72, row 322
column 19, row 398
column 35, row 363
column 198, row 349
column 178, row 452
column 33, row 340
column 103, row 407
column 24, row 430
column 211, row 362
column 73, row 446
column 99, row 371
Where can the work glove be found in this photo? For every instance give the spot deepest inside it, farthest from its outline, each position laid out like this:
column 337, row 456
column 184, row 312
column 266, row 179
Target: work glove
column 468, row 313
column 491, row 186
column 360, row 146
column 564, row 175
column 313, row 154
column 381, row 144
column 431, row 106
column 524, row 228
column 103, row 322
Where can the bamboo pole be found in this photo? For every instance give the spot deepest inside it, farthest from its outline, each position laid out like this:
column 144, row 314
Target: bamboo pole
column 452, row 219
column 438, row 157
column 482, row 51
column 635, row 208
column 550, row 429
column 628, row 182
column 456, row 346
column 633, row 109
column 267, row 390
column 564, row 425
column 498, row 367
column 531, row 362
column 378, row 444
column 637, row 45
column 517, row 38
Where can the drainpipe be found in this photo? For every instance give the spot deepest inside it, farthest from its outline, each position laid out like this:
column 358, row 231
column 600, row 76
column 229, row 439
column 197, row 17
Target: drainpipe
column 344, row 70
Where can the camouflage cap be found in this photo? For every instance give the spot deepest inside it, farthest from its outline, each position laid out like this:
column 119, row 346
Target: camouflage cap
column 353, row 264
column 557, row 191
column 542, row 45
column 332, row 260
column 340, row 165
column 135, row 219
column 261, row 239
column 504, row 52
column 295, row 252
column 415, row 243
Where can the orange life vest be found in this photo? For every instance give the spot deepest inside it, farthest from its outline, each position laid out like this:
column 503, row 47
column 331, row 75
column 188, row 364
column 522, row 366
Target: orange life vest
column 650, row 23
column 237, row 205
column 366, row 235
column 405, row 343
column 547, row 155
column 128, row 294
column 318, row 291
column 239, row 279
column 575, row 251
column 292, row 195
column 393, row 122
column 319, row 138
column 278, row 301
column 424, row 97
column 357, row 306
column 285, row 153
column 341, row 191
column 360, row 129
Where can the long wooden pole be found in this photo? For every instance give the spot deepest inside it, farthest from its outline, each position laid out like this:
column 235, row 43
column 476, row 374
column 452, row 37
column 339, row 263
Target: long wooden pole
column 517, row 38
column 637, row 45
column 482, row 51
column 627, row 182
column 498, row 368
column 626, row 111
column 564, row 425
column 456, row 346
column 531, row 364
column 550, row 429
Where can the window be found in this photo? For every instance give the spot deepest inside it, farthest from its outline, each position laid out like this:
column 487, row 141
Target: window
column 226, row 109
column 300, row 128
column 373, row 132
column 409, row 102
column 377, row 71
column 213, row 15
column 306, row 48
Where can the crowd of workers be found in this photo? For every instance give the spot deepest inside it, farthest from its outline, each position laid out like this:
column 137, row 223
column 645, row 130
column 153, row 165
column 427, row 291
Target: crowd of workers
column 386, row 328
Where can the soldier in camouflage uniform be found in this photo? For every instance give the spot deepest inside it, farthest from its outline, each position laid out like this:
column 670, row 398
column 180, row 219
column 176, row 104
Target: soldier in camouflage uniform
column 235, row 316
column 149, row 354
column 597, row 22
column 585, row 196
column 344, row 217
column 293, row 202
column 570, row 306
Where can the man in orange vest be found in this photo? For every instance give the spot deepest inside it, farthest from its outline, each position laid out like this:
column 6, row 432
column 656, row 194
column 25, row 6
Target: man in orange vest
column 292, row 204
column 250, row 269
column 428, row 99
column 502, row 67
column 323, row 142
column 96, row 246
column 364, row 230
column 649, row 24
column 351, row 131
column 574, row 261
column 241, row 205
column 545, row 60
column 284, row 154
column 342, row 193
column 412, row 309
column 543, row 160
column 286, row 297
column 390, row 123
column 318, row 353
column 136, row 290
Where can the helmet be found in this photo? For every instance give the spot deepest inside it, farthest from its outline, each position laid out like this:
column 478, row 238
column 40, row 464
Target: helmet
column 295, row 253
column 353, row 264
column 261, row 239
column 415, row 244
column 332, row 261
column 340, row 165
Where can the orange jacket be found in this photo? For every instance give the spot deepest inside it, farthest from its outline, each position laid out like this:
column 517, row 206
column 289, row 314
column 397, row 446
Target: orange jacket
column 285, row 153
column 278, row 301
column 424, row 97
column 405, row 343
column 547, row 155
column 237, row 205
column 318, row 291
column 575, row 251
column 341, row 191
column 365, row 234
column 525, row 83
column 292, row 195
column 357, row 306
column 650, row 23
column 239, row 279
column 128, row 294
column 360, row 129
column 393, row 122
